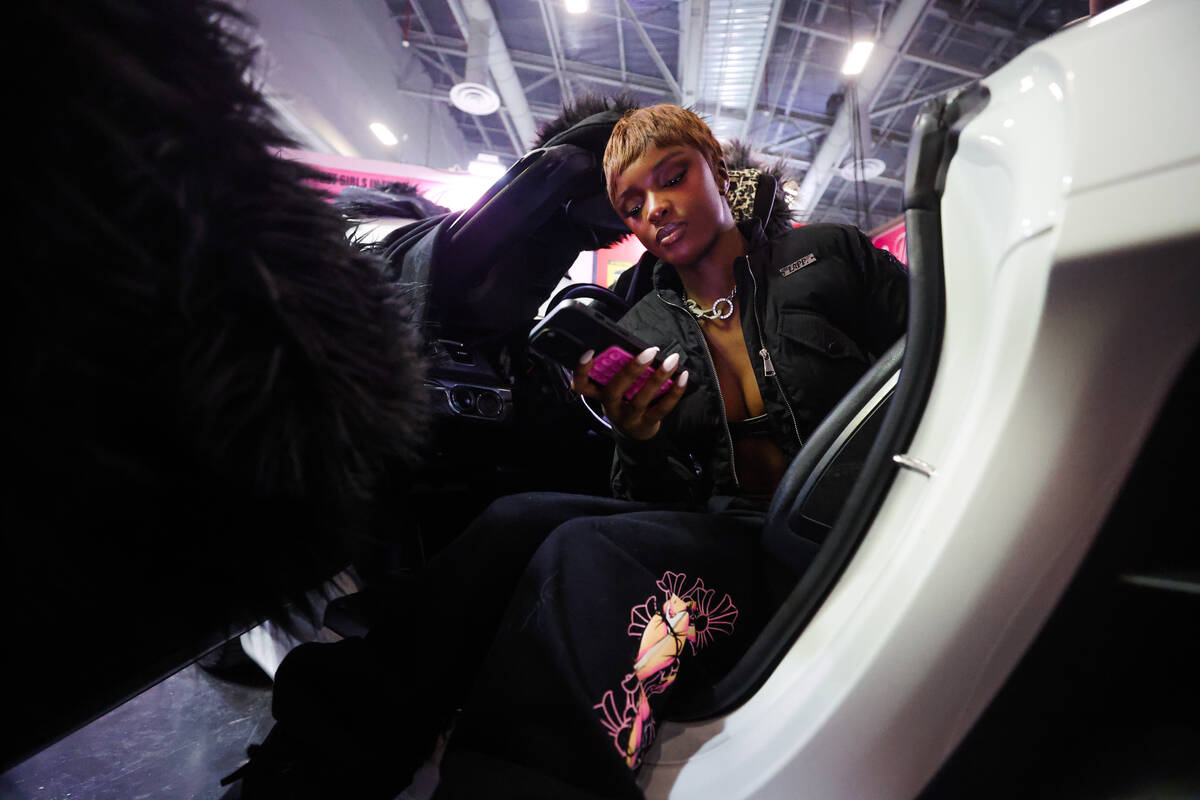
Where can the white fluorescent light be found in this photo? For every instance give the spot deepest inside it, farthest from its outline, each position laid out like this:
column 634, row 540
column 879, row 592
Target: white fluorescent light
column 383, row 134
column 856, row 59
column 577, row 6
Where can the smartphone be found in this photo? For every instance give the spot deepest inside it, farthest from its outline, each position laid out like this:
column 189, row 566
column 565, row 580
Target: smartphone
column 574, row 327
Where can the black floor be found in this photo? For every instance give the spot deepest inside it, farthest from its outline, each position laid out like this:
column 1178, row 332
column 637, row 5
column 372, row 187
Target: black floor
column 175, row 740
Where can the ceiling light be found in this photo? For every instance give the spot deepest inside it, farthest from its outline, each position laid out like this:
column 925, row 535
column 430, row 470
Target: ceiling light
column 856, row 59
column 383, row 134
column 577, row 6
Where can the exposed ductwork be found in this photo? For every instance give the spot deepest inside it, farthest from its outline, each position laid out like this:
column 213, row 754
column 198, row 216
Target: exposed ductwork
column 484, row 41
column 860, row 167
column 836, row 147
column 472, row 94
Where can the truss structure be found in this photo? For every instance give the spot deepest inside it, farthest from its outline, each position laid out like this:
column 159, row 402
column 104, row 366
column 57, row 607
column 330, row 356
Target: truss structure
column 767, row 72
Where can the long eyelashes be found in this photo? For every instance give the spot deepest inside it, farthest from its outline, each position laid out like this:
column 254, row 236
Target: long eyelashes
column 633, row 212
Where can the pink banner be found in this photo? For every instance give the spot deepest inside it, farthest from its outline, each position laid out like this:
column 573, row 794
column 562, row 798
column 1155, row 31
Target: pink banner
column 892, row 237
column 454, row 190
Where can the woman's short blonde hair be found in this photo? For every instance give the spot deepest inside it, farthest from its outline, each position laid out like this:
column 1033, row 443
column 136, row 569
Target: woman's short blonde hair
column 664, row 125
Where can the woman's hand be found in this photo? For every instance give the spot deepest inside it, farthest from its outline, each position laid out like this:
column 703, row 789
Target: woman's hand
column 639, row 417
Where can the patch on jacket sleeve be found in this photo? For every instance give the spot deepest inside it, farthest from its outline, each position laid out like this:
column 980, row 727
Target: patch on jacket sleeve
column 799, row 263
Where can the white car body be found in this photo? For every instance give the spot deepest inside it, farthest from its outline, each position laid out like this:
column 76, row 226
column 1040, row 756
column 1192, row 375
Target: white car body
column 1071, row 225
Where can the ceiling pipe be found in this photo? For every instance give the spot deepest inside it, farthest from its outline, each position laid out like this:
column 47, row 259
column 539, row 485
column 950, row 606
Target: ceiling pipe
column 837, row 144
column 472, row 94
column 475, row 16
column 693, row 23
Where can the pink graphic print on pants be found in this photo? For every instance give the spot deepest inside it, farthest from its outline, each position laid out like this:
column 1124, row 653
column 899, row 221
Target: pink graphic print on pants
column 684, row 616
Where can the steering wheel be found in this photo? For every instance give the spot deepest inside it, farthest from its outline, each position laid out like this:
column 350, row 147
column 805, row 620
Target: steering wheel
column 611, row 305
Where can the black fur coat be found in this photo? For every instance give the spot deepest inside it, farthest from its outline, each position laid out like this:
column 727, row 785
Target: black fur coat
column 206, row 384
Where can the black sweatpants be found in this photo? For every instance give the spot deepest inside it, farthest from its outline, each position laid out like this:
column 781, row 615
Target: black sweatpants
column 620, row 607
column 562, row 625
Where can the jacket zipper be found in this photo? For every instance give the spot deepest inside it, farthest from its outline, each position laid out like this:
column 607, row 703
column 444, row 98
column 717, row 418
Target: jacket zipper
column 768, row 367
column 720, row 394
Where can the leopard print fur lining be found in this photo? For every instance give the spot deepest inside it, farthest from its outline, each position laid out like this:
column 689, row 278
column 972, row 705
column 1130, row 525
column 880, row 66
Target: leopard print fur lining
column 743, row 184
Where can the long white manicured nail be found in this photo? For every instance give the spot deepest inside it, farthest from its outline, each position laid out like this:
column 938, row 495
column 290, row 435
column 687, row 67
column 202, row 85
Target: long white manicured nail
column 647, row 355
column 671, row 362
column 682, row 382
column 587, row 356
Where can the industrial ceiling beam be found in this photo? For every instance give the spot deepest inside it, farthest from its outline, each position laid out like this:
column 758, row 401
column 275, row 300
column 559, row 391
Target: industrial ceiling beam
column 479, row 13
column 544, row 111
column 445, row 67
column 542, row 81
column 927, row 59
column 616, row 14
column 739, row 114
column 555, row 43
column 621, row 43
column 822, row 122
column 944, row 64
column 803, row 135
column 983, row 21
column 914, row 100
column 1022, row 21
column 655, row 56
column 506, row 119
column 918, row 76
column 800, row 164
column 538, row 62
column 791, row 57
column 837, row 143
column 764, row 58
column 693, row 24
column 800, row 69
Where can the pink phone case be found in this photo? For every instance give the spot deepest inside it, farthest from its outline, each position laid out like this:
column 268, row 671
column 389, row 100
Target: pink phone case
column 612, row 360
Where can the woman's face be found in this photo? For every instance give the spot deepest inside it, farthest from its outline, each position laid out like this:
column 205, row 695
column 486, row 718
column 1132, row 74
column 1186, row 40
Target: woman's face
column 672, row 202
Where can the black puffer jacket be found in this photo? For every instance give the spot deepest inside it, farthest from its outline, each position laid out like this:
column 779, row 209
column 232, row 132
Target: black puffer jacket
column 818, row 304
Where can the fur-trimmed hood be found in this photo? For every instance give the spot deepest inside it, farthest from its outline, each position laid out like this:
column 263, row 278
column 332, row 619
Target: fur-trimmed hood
column 766, row 178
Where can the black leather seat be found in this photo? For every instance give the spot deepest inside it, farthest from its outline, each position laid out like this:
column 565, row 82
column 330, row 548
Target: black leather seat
column 819, row 479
